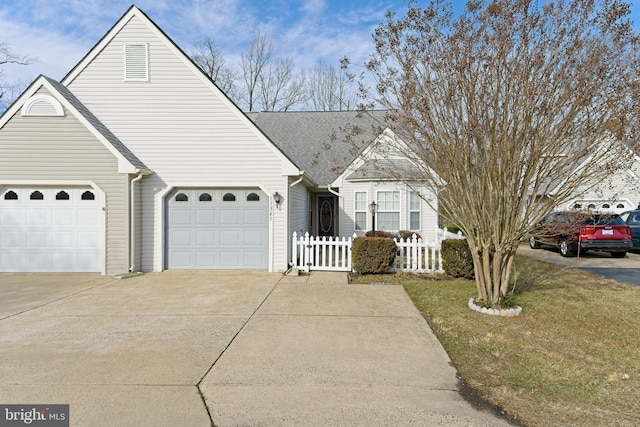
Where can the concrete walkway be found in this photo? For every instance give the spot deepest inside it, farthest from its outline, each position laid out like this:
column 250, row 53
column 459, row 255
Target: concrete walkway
column 319, row 352
column 224, row 349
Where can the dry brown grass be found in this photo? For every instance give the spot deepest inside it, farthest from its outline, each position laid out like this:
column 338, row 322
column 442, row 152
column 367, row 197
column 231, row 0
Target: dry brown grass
column 571, row 358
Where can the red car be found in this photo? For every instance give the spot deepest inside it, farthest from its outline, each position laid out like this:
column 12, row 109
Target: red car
column 582, row 231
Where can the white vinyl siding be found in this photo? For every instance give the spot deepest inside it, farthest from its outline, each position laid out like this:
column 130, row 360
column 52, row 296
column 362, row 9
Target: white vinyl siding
column 61, row 149
column 298, row 208
column 388, row 216
column 136, row 62
column 183, row 129
column 360, row 211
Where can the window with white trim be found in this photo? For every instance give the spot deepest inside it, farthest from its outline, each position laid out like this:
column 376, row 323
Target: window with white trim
column 388, row 216
column 136, row 62
column 360, row 213
column 414, row 211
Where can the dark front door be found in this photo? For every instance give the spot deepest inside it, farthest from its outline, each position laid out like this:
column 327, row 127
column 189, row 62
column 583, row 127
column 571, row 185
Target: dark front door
column 326, row 215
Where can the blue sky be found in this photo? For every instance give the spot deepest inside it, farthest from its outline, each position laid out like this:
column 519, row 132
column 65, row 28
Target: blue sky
column 59, row 33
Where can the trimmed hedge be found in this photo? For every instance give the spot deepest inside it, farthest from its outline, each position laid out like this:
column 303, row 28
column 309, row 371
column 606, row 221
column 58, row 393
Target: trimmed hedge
column 402, row 234
column 456, row 259
column 373, row 255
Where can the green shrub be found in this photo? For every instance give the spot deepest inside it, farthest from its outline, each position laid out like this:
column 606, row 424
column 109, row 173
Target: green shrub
column 456, row 259
column 373, row 255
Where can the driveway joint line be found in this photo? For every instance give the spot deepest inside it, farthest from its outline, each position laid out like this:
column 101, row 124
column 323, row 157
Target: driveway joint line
column 204, row 401
column 56, row 300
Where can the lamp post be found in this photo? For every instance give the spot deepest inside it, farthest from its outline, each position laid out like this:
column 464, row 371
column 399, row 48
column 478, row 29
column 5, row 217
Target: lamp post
column 372, row 207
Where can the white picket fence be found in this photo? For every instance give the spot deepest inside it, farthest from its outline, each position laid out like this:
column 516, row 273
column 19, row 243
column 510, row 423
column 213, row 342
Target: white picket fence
column 335, row 254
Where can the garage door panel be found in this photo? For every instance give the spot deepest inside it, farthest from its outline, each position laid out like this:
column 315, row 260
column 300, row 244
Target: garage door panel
column 37, row 217
column 229, row 238
column 11, row 216
column 181, row 237
column 63, row 240
column 205, row 217
column 38, row 239
column 205, row 258
column 223, row 234
column 12, row 240
column 88, row 217
column 205, row 238
column 49, row 234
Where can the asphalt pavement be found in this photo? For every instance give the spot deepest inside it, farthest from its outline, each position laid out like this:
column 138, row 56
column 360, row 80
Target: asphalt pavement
column 626, row 270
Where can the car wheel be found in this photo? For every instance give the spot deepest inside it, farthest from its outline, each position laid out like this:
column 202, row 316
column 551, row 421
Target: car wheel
column 618, row 254
column 534, row 243
column 567, row 249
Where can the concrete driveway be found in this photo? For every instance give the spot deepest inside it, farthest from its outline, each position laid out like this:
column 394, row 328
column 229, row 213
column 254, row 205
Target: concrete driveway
column 626, row 270
column 226, row 349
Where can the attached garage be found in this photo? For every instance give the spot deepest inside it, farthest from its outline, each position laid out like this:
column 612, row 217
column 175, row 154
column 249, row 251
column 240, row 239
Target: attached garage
column 217, row 229
column 47, row 229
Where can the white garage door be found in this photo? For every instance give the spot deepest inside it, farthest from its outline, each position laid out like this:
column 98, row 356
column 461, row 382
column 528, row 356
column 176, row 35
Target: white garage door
column 44, row 229
column 217, row 229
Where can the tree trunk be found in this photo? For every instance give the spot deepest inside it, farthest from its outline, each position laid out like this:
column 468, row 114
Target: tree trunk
column 492, row 269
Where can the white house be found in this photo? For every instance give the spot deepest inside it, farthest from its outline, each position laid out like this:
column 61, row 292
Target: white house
column 136, row 161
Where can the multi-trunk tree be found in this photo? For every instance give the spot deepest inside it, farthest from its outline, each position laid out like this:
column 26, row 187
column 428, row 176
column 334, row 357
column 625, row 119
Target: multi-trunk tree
column 513, row 107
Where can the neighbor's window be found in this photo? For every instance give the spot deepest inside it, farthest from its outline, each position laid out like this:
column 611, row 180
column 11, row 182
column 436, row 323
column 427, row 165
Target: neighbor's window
column 388, row 216
column 361, row 210
column 414, row 211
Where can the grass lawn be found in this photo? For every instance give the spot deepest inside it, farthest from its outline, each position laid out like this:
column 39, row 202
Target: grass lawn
column 571, row 358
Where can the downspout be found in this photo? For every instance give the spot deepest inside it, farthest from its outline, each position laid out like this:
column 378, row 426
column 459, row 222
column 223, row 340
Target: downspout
column 132, row 222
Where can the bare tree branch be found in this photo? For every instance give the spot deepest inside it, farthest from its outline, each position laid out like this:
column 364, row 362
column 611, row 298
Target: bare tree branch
column 516, row 107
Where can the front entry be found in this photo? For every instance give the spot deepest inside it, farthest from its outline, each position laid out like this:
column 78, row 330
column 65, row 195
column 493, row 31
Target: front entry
column 327, row 215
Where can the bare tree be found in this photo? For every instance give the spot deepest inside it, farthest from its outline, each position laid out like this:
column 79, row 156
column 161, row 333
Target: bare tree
column 254, row 63
column 513, row 106
column 280, row 86
column 330, row 89
column 7, row 56
column 210, row 59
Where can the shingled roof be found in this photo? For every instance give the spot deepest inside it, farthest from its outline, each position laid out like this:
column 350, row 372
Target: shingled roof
column 316, row 141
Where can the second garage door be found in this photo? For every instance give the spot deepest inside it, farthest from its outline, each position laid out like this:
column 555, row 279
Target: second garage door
column 217, row 229
column 44, row 229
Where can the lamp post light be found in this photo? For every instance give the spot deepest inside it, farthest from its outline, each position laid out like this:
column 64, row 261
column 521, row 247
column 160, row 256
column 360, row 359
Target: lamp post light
column 372, row 207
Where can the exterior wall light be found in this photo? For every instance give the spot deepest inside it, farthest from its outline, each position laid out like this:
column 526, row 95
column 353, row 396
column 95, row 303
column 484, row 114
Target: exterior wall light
column 277, row 198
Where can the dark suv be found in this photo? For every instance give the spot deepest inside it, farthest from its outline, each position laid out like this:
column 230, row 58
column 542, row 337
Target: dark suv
column 581, row 231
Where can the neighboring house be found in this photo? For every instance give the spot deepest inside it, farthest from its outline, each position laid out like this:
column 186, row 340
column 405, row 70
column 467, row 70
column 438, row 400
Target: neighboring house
column 136, row 161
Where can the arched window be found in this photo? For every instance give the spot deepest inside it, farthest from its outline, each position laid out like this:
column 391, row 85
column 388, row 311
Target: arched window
column 181, row 197
column 62, row 195
column 88, row 195
column 253, row 197
column 10, row 195
column 229, row 197
column 205, row 197
column 577, row 206
column 36, row 195
column 620, row 206
column 591, row 206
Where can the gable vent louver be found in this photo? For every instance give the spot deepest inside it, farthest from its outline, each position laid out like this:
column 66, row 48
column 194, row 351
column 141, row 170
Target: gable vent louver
column 42, row 105
column 136, row 62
